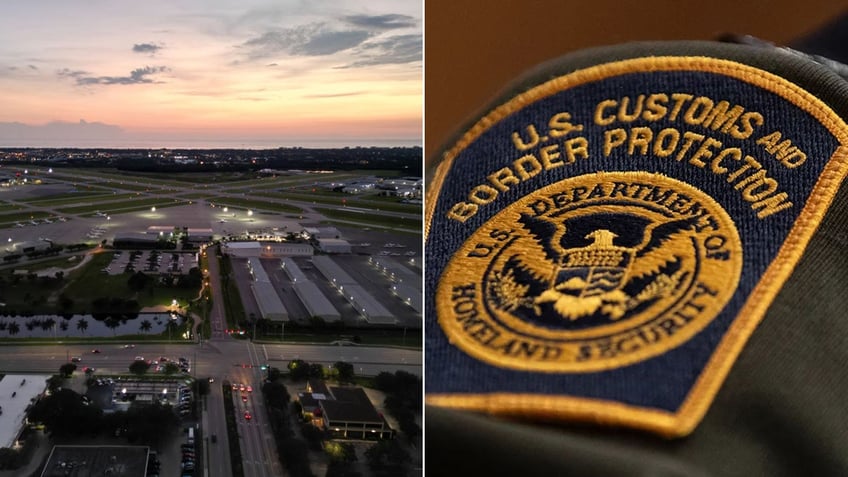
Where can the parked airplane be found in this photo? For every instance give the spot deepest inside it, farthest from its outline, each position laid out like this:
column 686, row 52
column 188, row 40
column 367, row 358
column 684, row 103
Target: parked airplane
column 100, row 214
column 33, row 222
column 20, row 225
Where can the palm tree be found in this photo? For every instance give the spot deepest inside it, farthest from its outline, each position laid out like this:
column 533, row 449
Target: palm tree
column 47, row 324
column 146, row 325
column 82, row 325
column 112, row 324
column 14, row 328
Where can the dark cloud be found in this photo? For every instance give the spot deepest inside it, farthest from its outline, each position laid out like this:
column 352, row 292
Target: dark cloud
column 382, row 22
column 136, row 76
column 400, row 49
column 33, row 67
column 314, row 39
column 146, row 48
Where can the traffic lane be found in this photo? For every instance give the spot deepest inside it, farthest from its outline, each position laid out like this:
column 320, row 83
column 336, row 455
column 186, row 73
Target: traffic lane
column 216, row 313
column 219, row 451
column 251, row 399
column 254, row 456
column 115, row 358
column 330, row 353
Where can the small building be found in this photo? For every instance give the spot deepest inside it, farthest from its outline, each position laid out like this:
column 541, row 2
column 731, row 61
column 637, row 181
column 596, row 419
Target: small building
column 16, row 393
column 345, row 411
column 333, row 245
column 242, row 249
column 268, row 249
column 351, row 415
column 135, row 239
column 286, row 249
column 32, row 246
column 164, row 231
column 323, row 232
column 199, row 235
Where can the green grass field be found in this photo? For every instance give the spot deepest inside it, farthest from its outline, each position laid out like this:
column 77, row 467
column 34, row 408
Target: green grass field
column 400, row 224
column 82, row 286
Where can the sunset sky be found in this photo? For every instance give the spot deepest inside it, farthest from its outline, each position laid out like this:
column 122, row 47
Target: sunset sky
column 192, row 73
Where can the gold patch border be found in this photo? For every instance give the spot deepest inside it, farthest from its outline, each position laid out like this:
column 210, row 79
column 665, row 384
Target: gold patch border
column 700, row 396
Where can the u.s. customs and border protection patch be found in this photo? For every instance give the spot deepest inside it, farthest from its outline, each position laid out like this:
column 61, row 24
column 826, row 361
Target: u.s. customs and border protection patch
column 603, row 242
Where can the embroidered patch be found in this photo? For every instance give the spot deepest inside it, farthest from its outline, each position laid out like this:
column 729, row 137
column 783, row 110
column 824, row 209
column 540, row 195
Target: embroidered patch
column 591, row 273
column 601, row 246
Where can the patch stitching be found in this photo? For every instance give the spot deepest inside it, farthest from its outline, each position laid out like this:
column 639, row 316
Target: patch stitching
column 751, row 312
column 687, row 310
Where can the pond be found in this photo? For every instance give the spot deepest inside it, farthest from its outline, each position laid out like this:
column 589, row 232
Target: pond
column 83, row 326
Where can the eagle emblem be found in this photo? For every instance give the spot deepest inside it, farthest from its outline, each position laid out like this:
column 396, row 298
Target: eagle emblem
column 601, row 265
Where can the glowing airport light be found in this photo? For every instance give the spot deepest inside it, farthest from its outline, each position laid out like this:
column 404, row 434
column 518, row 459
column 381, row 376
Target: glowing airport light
column 250, row 213
column 226, row 209
column 153, row 209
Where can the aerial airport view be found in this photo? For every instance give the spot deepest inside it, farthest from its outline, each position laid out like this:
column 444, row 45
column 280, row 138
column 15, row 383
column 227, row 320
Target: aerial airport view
column 194, row 283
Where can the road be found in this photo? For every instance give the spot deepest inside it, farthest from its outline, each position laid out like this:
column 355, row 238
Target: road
column 258, row 448
column 222, row 359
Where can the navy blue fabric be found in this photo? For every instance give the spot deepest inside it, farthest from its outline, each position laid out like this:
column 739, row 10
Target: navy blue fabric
column 664, row 381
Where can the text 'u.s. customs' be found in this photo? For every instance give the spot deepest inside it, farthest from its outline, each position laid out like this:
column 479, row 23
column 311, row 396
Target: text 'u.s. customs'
column 675, row 126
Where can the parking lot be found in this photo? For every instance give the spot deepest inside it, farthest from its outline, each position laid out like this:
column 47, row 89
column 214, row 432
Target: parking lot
column 151, row 261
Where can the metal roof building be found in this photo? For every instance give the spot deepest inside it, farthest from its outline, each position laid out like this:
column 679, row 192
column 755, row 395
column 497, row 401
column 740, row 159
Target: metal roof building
column 407, row 285
column 242, row 249
column 410, row 295
column 270, row 305
column 373, row 311
column 268, row 249
column 256, row 270
column 309, row 294
column 333, row 245
column 332, row 271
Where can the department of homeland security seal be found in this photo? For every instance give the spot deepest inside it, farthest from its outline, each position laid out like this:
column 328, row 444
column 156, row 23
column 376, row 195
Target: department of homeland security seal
column 603, row 242
column 591, row 273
